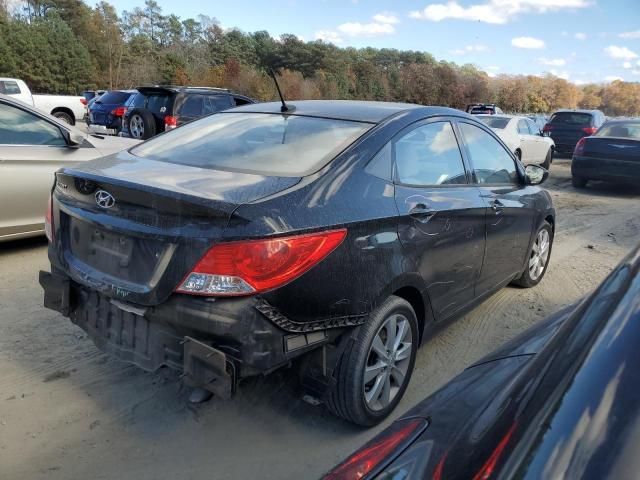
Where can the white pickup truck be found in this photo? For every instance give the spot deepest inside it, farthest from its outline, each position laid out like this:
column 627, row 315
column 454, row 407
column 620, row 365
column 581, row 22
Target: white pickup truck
column 67, row 108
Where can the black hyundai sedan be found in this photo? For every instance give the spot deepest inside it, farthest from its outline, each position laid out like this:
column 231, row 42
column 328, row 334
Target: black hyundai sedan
column 337, row 233
column 559, row 402
column 612, row 154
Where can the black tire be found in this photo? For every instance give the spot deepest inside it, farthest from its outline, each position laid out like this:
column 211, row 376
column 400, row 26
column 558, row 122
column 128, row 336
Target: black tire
column 65, row 117
column 347, row 397
column 527, row 280
column 547, row 161
column 578, row 182
column 141, row 124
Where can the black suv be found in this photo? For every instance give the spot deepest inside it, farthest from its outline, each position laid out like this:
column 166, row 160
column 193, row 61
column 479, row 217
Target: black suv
column 567, row 127
column 156, row 109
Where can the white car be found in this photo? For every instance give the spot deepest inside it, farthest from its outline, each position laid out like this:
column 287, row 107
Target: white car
column 33, row 145
column 68, row 108
column 523, row 137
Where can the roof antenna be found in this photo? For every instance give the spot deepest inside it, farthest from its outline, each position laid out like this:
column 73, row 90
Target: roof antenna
column 284, row 108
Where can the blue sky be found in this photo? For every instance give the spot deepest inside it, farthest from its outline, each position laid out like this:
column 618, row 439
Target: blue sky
column 581, row 40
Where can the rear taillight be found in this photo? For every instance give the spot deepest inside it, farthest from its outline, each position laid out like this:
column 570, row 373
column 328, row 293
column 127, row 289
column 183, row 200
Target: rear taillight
column 253, row 266
column 378, row 452
column 589, row 130
column 83, row 101
column 579, row 150
column 547, row 128
column 119, row 111
column 48, row 220
column 170, row 122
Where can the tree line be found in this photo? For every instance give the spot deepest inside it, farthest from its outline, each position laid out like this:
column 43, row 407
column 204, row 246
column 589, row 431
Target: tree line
column 66, row 46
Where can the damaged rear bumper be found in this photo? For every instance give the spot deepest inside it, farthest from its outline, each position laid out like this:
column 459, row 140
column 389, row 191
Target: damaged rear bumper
column 214, row 342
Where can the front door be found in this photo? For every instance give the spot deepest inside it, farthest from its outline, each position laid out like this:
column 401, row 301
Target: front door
column 441, row 214
column 31, row 150
column 510, row 207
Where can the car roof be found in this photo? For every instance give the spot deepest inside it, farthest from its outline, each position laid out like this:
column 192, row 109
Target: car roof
column 568, row 110
column 180, row 88
column 354, row 110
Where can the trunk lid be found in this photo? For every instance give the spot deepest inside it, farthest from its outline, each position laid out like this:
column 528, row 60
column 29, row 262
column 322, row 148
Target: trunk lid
column 612, row 148
column 132, row 228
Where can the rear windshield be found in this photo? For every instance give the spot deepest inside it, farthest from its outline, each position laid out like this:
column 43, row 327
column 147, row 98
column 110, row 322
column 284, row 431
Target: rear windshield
column 265, row 144
column 571, row 118
column 494, row 122
column 620, row 130
column 480, row 110
column 114, row 97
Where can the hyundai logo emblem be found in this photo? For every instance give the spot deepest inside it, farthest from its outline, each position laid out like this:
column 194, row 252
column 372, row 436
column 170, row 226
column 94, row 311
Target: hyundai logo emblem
column 105, row 199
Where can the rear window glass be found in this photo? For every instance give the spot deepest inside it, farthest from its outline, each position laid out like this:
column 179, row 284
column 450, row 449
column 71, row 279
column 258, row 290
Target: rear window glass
column 114, row 97
column 265, row 144
column 9, row 88
column 158, row 103
column 620, row 130
column 494, row 122
column 480, row 110
column 571, row 118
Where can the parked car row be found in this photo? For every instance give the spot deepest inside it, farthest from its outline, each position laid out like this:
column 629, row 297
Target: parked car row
column 147, row 111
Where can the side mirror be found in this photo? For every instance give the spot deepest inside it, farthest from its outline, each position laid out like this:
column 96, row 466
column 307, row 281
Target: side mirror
column 73, row 138
column 535, row 174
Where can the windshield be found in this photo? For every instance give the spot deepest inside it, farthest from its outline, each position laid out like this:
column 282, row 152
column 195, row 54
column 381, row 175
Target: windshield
column 621, row 130
column 495, row 122
column 265, row 144
column 571, row 118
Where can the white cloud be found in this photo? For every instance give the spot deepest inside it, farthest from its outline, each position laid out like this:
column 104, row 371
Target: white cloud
column 580, row 36
column 552, row 62
column 612, row 78
column 630, row 35
column 492, row 70
column 357, row 29
column 527, row 42
column 470, row 49
column 635, row 72
column 626, row 65
column 492, row 11
column 622, row 53
column 386, row 17
column 560, row 74
column 580, row 82
column 328, row 36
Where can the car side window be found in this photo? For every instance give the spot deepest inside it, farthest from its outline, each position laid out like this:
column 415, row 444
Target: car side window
column 216, row 103
column 522, row 128
column 492, row 164
column 19, row 127
column 533, row 128
column 9, row 87
column 192, row 106
column 429, row 155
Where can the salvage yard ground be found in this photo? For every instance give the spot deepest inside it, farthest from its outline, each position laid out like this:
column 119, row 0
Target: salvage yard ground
column 69, row 412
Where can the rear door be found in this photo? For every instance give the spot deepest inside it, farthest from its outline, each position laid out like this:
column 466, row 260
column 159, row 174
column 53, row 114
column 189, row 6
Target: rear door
column 527, row 143
column 442, row 215
column 31, row 150
column 510, row 203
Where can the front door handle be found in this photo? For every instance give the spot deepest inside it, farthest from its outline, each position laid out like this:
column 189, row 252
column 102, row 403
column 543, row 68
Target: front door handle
column 421, row 212
column 497, row 206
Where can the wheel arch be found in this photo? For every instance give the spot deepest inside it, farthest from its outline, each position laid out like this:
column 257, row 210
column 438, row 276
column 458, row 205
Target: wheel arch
column 66, row 110
column 419, row 301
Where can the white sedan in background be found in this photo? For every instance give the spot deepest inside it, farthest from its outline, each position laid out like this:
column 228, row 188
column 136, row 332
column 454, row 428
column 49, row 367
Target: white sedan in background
column 33, row 145
column 523, row 137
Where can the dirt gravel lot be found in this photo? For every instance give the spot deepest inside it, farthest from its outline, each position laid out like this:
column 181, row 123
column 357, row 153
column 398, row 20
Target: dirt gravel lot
column 69, row 412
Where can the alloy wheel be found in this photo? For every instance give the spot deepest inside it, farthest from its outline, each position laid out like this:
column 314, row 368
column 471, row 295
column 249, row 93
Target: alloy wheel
column 136, row 126
column 539, row 254
column 387, row 362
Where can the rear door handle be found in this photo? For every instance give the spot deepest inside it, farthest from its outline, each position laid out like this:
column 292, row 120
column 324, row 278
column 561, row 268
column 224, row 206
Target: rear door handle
column 421, row 212
column 497, row 206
